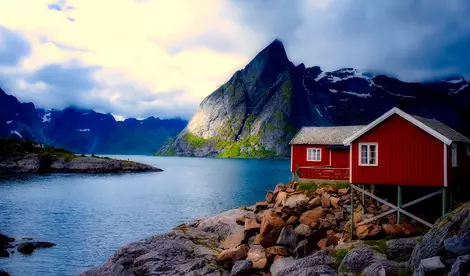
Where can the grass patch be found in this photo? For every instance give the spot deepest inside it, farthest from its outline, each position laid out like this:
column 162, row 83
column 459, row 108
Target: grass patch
column 307, row 187
column 339, row 255
column 194, row 140
column 377, row 245
column 405, row 272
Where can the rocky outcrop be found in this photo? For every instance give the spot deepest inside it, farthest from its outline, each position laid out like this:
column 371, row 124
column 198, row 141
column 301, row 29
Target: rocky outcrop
column 283, row 237
column 28, row 247
column 262, row 106
column 42, row 163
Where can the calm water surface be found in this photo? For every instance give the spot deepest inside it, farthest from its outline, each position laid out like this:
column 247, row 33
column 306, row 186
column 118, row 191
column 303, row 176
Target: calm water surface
column 91, row 216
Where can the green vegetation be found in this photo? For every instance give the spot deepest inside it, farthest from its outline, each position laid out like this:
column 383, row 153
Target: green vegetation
column 307, row 186
column 194, row 140
column 338, row 255
column 11, row 147
column 312, row 185
column 405, row 272
column 286, row 90
column 377, row 245
column 248, row 147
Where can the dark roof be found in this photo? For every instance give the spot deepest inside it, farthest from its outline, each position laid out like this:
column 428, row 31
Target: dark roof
column 443, row 129
column 331, row 135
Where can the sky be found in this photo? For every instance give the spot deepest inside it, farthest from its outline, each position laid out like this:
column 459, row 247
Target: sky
column 140, row 58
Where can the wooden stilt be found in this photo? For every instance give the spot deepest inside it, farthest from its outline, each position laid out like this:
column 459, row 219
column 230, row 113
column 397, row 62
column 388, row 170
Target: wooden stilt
column 399, row 204
column 352, row 213
column 444, row 201
column 363, row 200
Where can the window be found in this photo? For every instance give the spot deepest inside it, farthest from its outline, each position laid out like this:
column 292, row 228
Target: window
column 368, row 154
column 454, row 155
column 313, row 154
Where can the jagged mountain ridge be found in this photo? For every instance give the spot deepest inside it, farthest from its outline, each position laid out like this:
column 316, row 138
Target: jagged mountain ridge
column 84, row 131
column 262, row 106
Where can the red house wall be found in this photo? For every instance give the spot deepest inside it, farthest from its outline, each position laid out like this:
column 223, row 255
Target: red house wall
column 458, row 175
column 407, row 155
column 340, row 158
column 299, row 156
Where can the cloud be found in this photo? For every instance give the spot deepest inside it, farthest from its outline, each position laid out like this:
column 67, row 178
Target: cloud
column 13, row 47
column 136, row 58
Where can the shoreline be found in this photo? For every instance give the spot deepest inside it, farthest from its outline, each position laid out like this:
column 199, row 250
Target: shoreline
column 263, row 239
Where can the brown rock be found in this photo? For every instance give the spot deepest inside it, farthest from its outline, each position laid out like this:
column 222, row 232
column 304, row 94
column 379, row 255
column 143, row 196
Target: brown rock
column 315, row 201
column 303, row 230
column 278, row 210
column 321, row 190
column 332, row 190
column 395, row 230
column 290, row 190
column 339, row 214
column 335, row 201
column 277, row 250
column 312, row 216
column 294, row 185
column 296, row 202
column 271, row 226
column 323, row 243
column 292, row 219
column 325, row 224
column 263, row 205
column 240, row 220
column 251, row 226
column 362, row 231
column 343, row 191
column 331, row 219
column 279, row 188
column 257, row 239
column 233, row 240
column 270, row 205
column 280, row 199
column 325, row 200
column 270, row 197
column 257, row 255
column 375, row 231
column 346, row 197
column 233, row 254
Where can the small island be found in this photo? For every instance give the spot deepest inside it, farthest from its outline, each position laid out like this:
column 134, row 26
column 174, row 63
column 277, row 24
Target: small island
column 26, row 157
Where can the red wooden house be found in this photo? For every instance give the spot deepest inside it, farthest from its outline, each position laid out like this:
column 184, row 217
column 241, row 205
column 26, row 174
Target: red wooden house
column 319, row 153
column 402, row 149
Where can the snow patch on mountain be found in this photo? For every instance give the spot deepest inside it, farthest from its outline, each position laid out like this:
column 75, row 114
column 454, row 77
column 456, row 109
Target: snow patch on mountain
column 16, row 132
column 318, row 111
column 362, row 95
column 455, row 81
column 84, row 130
column 333, row 90
column 9, row 122
column 452, row 92
column 46, row 118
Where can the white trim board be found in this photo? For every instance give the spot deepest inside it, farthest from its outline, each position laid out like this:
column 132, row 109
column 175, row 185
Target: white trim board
column 405, row 116
column 445, row 165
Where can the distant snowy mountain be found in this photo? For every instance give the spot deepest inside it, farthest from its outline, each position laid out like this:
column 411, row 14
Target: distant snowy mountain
column 84, row 131
column 262, row 106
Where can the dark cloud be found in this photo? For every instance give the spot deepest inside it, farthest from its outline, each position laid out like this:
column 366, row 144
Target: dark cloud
column 13, row 47
column 412, row 39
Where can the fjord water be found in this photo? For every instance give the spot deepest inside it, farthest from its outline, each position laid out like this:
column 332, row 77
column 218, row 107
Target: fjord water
column 90, row 216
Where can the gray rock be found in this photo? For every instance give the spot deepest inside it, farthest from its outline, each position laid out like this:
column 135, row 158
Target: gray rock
column 461, row 266
column 458, row 245
column 280, row 264
column 455, row 223
column 108, row 269
column 287, row 237
column 359, row 258
column 4, row 253
column 241, row 268
column 26, row 248
column 317, row 264
column 401, row 248
column 303, row 230
column 384, row 267
column 432, row 264
column 4, row 273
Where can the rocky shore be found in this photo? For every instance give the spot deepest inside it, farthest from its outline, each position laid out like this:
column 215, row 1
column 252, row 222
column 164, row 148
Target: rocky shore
column 298, row 232
column 41, row 163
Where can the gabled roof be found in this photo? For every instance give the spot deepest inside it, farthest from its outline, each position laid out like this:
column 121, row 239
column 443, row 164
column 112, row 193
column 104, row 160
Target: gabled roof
column 331, row 135
column 432, row 126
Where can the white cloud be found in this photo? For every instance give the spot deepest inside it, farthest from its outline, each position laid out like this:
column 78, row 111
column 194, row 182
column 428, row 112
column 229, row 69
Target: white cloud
column 130, row 43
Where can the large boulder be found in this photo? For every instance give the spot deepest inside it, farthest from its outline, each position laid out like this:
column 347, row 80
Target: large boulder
column 317, row 264
column 312, row 216
column 280, row 264
column 359, row 258
column 26, row 248
column 296, row 202
column 257, row 255
column 288, row 237
column 233, row 240
column 385, row 267
column 456, row 223
column 401, row 248
column 461, row 266
column 458, row 245
column 4, row 273
column 271, row 226
column 241, row 268
column 224, row 223
column 233, row 254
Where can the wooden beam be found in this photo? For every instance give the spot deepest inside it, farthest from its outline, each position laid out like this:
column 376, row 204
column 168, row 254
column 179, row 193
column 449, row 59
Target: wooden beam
column 373, row 196
column 352, row 212
column 416, row 218
column 444, row 201
column 376, row 217
column 398, row 204
column 421, row 199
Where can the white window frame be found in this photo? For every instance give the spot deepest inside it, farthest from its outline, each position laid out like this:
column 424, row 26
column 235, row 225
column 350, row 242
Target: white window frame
column 454, row 155
column 368, row 154
column 313, row 150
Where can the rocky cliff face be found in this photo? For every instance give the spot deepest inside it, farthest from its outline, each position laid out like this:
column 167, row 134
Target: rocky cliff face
column 262, row 106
